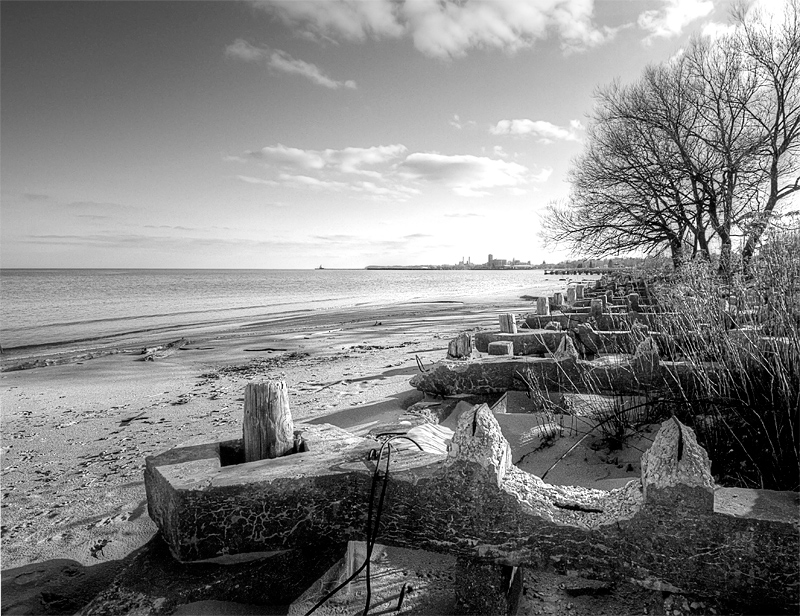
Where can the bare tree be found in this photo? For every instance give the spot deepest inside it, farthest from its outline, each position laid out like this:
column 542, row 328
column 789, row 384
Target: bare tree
column 773, row 47
column 699, row 150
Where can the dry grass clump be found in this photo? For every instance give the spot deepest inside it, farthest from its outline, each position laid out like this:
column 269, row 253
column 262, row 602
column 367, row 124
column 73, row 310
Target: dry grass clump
column 743, row 340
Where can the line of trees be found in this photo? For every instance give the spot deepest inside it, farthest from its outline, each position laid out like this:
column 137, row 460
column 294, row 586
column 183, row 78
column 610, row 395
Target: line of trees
column 697, row 153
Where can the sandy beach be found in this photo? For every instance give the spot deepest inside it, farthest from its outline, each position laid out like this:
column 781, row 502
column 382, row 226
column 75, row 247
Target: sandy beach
column 75, row 435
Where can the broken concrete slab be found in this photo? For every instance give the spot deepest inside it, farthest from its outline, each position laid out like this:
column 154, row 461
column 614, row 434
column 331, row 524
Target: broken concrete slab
column 603, row 374
column 474, row 503
column 527, row 342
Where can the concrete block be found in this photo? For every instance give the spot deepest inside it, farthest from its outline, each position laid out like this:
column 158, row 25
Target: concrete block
column 501, row 347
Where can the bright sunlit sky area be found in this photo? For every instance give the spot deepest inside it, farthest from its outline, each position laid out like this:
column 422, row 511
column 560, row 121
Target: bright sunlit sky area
column 296, row 134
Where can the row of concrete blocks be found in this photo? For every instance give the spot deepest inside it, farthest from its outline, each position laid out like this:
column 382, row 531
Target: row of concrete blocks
column 671, row 529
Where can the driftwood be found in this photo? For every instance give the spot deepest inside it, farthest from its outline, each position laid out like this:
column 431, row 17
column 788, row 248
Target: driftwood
column 164, row 350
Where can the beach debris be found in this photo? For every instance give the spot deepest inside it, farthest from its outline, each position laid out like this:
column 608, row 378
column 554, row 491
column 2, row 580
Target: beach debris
column 97, row 549
column 164, row 350
column 460, row 347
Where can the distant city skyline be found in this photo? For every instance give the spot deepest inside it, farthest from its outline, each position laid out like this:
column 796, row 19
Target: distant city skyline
column 294, row 134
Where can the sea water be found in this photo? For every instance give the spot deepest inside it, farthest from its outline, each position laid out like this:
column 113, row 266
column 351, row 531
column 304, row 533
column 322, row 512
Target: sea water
column 59, row 306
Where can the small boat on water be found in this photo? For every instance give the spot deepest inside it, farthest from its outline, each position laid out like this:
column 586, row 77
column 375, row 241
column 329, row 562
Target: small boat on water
column 320, row 267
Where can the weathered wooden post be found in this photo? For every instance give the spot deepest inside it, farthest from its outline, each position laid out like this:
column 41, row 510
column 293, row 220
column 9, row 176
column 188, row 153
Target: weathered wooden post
column 508, row 324
column 558, row 300
column 633, row 302
column 570, row 295
column 542, row 306
column 579, row 291
column 268, row 426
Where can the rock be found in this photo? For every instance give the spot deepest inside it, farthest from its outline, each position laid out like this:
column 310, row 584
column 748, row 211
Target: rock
column 646, row 361
column 587, row 337
column 553, row 326
column 479, row 439
column 676, row 470
column 566, row 350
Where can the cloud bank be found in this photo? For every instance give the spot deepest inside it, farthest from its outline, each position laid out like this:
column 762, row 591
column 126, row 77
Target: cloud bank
column 446, row 28
column 386, row 171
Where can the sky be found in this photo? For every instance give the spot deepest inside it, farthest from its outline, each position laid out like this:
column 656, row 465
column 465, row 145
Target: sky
column 296, row 134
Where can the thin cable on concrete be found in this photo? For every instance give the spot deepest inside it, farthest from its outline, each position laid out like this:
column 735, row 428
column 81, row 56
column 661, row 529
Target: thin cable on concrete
column 372, row 534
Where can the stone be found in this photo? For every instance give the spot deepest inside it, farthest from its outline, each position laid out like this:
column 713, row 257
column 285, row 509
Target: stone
column 646, row 361
column 553, row 326
column 460, row 347
column 676, row 470
column 588, row 338
column 566, row 350
column 501, row 347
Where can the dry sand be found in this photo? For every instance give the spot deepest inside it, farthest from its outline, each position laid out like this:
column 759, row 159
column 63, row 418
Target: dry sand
column 74, row 436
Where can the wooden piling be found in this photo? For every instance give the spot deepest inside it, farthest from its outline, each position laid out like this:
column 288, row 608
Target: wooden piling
column 579, row 289
column 268, row 427
column 571, row 295
column 542, row 306
column 508, row 324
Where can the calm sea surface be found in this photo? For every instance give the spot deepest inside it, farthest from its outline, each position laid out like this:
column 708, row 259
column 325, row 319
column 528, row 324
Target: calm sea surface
column 44, row 307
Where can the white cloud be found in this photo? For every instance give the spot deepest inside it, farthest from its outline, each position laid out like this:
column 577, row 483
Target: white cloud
column 282, row 61
column 446, row 28
column 547, row 132
column 346, row 160
column 252, row 180
column 466, row 175
column 354, row 21
column 283, row 156
column 674, row 15
column 456, row 122
column 305, row 181
column 499, row 151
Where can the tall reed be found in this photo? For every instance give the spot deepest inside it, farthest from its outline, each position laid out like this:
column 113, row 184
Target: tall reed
column 743, row 341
